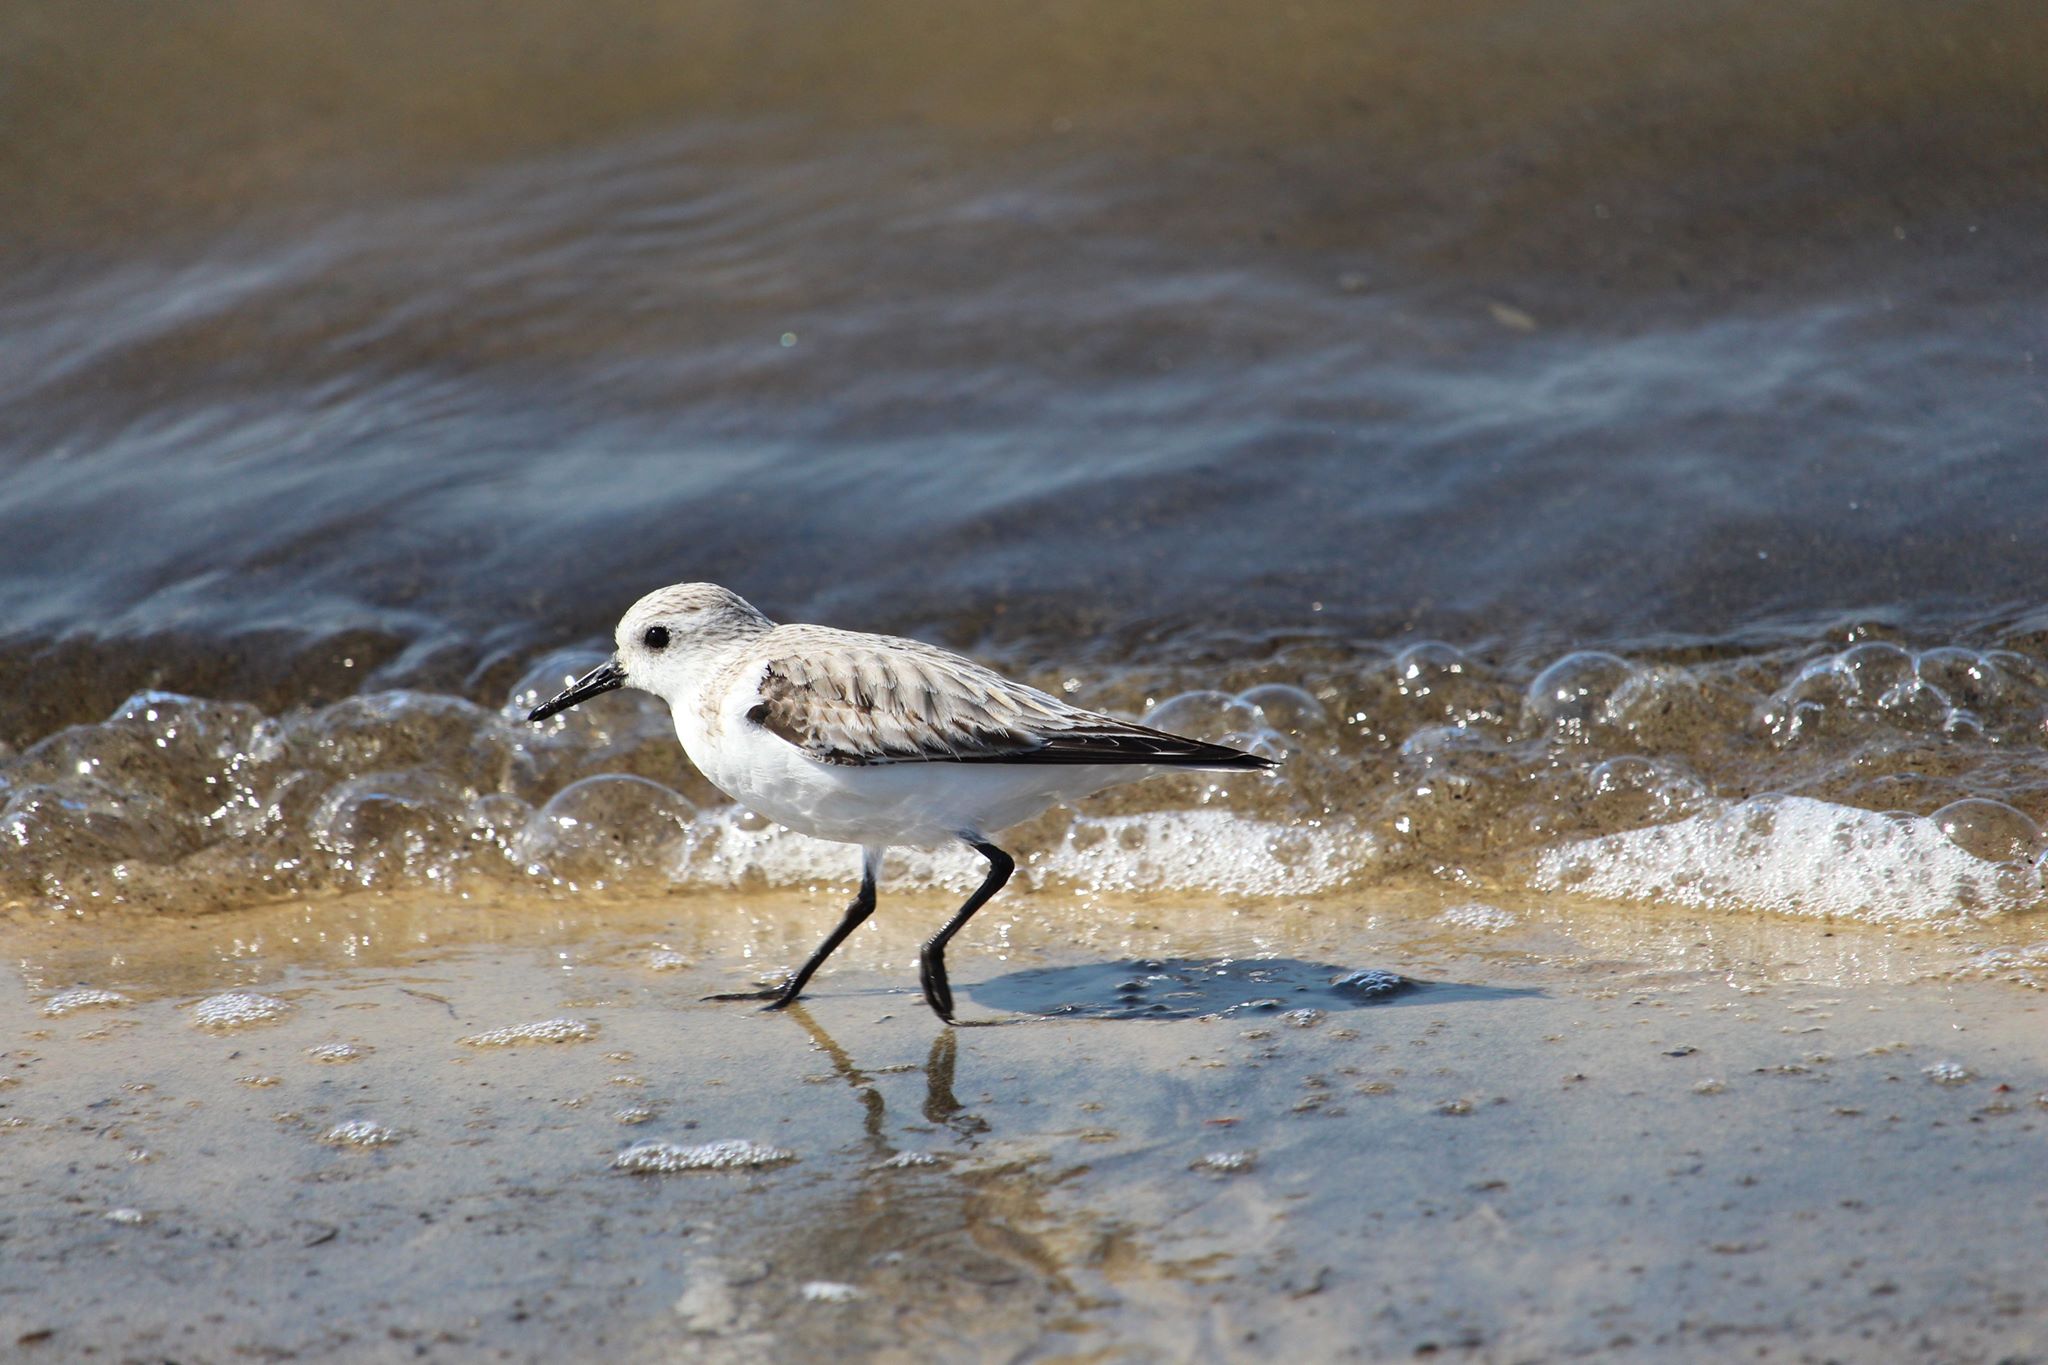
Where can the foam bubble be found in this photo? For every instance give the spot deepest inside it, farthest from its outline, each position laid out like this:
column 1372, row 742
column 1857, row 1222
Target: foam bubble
column 1790, row 854
column 1226, row 1163
column 2022, row 964
column 731, row 1154
column 829, row 1291
column 1990, row 830
column 386, row 828
column 52, row 828
column 339, row 1053
column 81, row 998
column 1876, row 686
column 1576, row 694
column 542, row 1031
column 238, row 1009
column 1285, row 707
column 1636, row 789
column 1486, row 919
column 360, row 1133
column 1370, row 981
column 1206, row 714
column 1427, row 664
column 1427, row 683
column 1211, row 849
column 904, row 1161
column 605, row 829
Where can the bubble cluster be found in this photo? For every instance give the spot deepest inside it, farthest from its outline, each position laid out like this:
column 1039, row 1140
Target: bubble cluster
column 1877, row 685
column 1790, row 854
column 541, row 1031
column 1226, row 1163
column 2022, row 964
column 179, row 800
column 361, row 1133
column 383, row 828
column 1370, row 982
column 731, row 1154
column 1485, row 919
column 237, row 1009
column 1420, row 761
column 81, row 998
column 1213, row 850
column 607, row 829
column 903, row 1161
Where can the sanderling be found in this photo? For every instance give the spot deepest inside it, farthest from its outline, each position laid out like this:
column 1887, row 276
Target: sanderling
column 871, row 740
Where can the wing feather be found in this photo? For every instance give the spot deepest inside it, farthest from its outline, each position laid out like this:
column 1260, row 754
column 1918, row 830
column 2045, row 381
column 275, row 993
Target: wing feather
column 866, row 699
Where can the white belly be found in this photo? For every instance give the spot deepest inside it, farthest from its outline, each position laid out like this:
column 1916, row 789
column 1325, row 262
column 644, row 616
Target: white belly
column 920, row 805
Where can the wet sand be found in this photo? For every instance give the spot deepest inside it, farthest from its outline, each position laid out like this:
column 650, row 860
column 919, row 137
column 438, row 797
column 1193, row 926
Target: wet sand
column 1608, row 1137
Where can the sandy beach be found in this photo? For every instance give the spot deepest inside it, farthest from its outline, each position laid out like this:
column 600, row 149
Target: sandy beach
column 1596, row 1136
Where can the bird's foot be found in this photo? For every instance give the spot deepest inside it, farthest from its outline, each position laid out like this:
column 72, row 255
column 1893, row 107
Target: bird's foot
column 938, row 993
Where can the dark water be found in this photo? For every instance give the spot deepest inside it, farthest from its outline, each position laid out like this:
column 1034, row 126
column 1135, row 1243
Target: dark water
column 1180, row 347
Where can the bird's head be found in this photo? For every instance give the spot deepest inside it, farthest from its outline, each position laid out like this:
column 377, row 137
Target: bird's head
column 663, row 642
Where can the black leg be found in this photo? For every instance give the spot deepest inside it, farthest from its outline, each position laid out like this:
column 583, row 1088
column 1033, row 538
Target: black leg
column 931, row 960
column 863, row 906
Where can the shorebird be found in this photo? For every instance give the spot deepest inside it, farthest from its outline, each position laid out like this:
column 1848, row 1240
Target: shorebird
column 871, row 740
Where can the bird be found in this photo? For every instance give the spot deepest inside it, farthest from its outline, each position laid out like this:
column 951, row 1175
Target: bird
column 871, row 740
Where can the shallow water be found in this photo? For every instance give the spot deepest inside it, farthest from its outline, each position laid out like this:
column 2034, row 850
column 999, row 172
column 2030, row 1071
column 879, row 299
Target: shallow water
column 1540, row 427
column 497, row 1130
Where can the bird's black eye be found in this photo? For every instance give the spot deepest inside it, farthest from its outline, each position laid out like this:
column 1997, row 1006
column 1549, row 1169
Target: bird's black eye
column 656, row 637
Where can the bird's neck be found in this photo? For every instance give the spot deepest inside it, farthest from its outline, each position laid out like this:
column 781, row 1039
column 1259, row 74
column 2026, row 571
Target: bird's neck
column 710, row 660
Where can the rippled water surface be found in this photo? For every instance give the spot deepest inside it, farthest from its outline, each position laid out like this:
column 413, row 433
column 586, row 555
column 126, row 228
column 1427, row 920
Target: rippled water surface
column 1599, row 450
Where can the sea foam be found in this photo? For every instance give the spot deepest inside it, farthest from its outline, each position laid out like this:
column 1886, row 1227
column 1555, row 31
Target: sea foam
column 1793, row 855
column 1207, row 849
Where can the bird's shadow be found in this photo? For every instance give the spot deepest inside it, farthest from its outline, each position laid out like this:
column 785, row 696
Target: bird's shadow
column 1188, row 988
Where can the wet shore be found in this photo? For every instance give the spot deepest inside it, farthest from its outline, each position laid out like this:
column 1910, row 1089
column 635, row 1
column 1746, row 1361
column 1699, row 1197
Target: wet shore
column 1594, row 1136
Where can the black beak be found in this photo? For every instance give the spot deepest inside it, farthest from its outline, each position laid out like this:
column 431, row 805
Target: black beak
column 604, row 678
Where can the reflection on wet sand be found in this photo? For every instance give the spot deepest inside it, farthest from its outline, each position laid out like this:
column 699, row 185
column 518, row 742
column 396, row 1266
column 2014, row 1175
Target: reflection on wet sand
column 940, row 1104
column 911, row 1247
